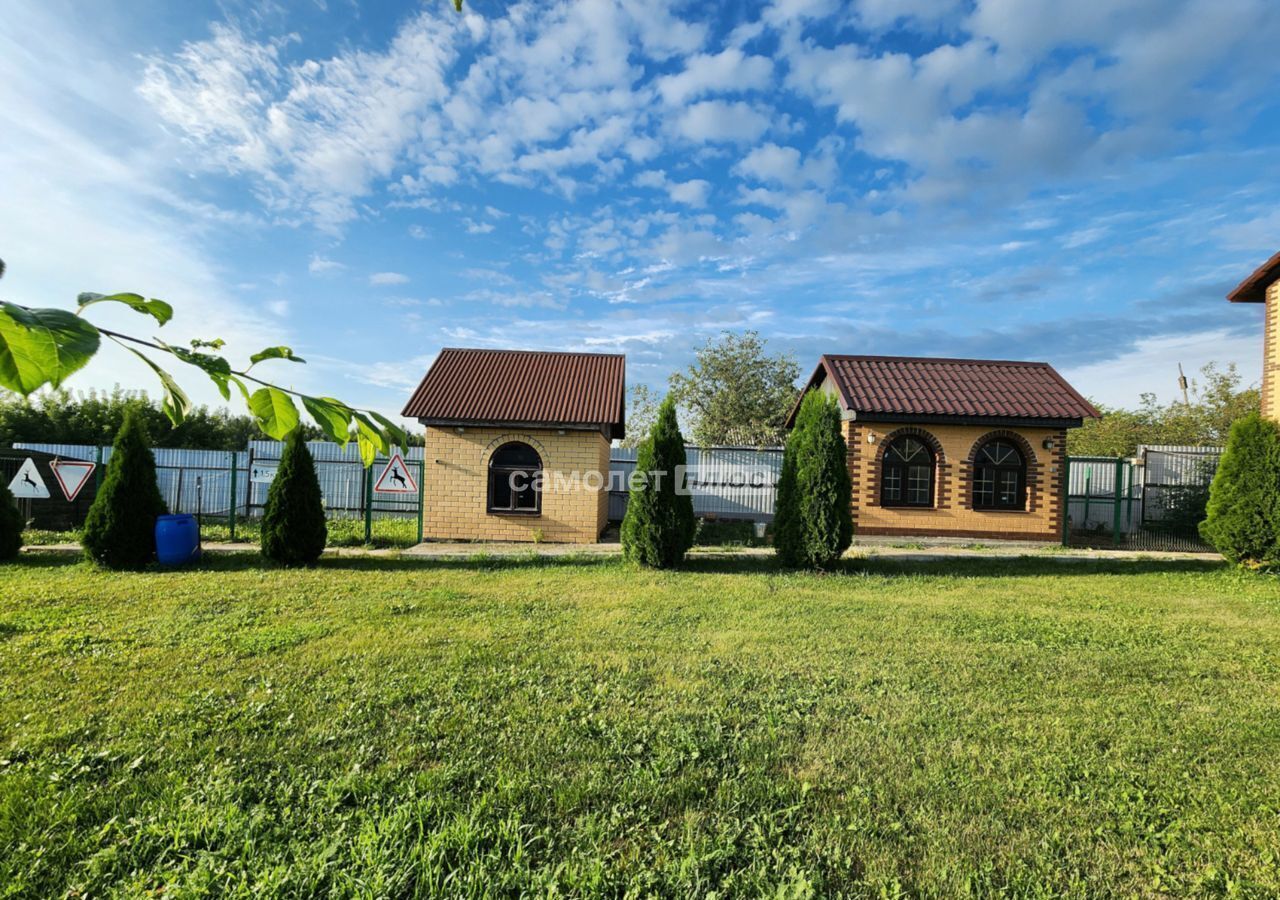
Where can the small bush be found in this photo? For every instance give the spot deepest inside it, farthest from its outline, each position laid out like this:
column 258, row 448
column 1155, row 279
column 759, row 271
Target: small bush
column 813, row 522
column 659, row 525
column 1243, row 515
column 293, row 526
column 10, row 524
column 120, row 529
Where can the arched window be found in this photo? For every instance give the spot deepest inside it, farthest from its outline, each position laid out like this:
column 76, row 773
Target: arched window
column 906, row 475
column 515, row 480
column 999, row 477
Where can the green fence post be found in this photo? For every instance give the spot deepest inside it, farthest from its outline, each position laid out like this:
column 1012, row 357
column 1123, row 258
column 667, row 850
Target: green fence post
column 231, row 510
column 422, row 493
column 368, row 505
column 97, row 471
column 1115, row 512
column 1088, row 490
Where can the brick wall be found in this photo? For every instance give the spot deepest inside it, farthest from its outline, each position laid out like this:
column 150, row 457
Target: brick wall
column 953, row 513
column 455, row 495
column 1271, row 354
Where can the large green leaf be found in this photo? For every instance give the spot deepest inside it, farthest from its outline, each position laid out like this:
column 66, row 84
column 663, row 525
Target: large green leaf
column 368, row 438
column 176, row 405
column 333, row 417
column 217, row 368
column 275, row 353
column 42, row 346
column 159, row 310
column 274, row 411
column 395, row 434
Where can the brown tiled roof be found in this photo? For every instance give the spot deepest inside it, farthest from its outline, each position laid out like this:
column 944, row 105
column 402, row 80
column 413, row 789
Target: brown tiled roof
column 523, row 387
column 1254, row 288
column 978, row 389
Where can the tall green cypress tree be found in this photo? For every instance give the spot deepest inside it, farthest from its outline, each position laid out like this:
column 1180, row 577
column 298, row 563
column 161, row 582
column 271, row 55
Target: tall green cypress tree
column 1242, row 518
column 813, row 520
column 659, row 525
column 293, row 526
column 120, row 529
column 10, row 524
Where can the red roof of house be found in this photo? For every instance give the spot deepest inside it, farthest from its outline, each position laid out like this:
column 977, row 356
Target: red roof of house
column 523, row 387
column 983, row 389
column 1254, row 288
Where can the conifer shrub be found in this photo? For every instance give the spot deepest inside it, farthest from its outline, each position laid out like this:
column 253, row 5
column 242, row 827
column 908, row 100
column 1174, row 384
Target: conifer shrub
column 120, row 529
column 10, row 524
column 813, row 520
column 659, row 525
column 293, row 525
column 1242, row 518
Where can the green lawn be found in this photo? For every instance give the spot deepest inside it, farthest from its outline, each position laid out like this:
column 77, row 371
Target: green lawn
column 464, row 728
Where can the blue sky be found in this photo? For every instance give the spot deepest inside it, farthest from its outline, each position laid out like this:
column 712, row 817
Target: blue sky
column 1079, row 183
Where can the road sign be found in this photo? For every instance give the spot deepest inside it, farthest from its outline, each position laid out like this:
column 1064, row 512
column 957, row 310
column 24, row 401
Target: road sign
column 263, row 474
column 395, row 478
column 27, row 484
column 72, row 475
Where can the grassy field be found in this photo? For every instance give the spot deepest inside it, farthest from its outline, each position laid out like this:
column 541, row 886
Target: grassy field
column 389, row 728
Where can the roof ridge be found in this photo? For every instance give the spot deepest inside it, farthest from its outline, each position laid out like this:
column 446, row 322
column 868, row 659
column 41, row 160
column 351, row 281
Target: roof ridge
column 529, row 352
column 936, row 359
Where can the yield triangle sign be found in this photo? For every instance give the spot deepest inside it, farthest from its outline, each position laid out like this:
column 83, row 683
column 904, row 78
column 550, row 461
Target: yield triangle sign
column 395, row 478
column 72, row 475
column 27, row 484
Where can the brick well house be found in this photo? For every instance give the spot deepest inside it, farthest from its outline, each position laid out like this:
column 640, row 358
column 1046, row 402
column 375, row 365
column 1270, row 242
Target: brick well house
column 517, row 443
column 1263, row 286
column 954, row 447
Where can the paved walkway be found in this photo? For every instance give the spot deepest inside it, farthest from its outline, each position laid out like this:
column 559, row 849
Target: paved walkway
column 894, row 548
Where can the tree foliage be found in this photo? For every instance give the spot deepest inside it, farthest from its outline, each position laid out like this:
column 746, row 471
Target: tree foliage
column 735, row 393
column 1243, row 514
column 41, row 347
column 11, row 524
column 642, row 412
column 95, row 417
column 119, row 530
column 293, row 525
column 813, row 522
column 1216, row 400
column 659, row 525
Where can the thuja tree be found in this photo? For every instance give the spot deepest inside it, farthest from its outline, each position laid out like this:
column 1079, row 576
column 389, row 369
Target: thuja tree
column 10, row 524
column 813, row 523
column 41, row 347
column 293, row 527
column 659, row 525
column 1243, row 514
column 119, row 531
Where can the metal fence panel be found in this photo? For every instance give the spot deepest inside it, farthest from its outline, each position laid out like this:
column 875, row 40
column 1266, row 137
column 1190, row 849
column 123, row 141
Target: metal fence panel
column 726, row 482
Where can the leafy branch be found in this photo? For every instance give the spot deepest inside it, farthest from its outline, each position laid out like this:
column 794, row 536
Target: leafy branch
column 41, row 347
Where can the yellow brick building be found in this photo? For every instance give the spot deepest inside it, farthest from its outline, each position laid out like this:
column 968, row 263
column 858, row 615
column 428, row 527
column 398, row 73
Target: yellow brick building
column 1263, row 286
column 517, row 444
column 954, row 447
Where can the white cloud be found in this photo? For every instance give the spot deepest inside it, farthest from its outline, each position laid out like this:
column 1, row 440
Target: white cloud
column 730, row 71
column 387, row 278
column 690, row 193
column 322, row 265
column 721, row 121
column 770, row 163
column 474, row 227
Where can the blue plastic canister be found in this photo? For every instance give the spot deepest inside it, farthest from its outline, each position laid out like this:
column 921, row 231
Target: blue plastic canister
column 177, row 539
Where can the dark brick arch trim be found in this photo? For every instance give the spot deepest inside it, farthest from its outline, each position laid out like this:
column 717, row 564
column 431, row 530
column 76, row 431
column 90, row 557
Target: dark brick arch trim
column 941, row 468
column 1035, row 470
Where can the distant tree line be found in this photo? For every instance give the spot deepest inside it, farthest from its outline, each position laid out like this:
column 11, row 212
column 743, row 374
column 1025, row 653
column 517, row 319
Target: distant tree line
column 96, row 417
column 1214, row 401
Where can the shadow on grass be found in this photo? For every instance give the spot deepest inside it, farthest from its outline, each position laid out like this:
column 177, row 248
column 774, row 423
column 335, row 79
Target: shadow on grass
column 755, row 565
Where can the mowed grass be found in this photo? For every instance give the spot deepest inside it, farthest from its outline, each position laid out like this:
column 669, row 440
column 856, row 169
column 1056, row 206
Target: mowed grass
column 393, row 728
